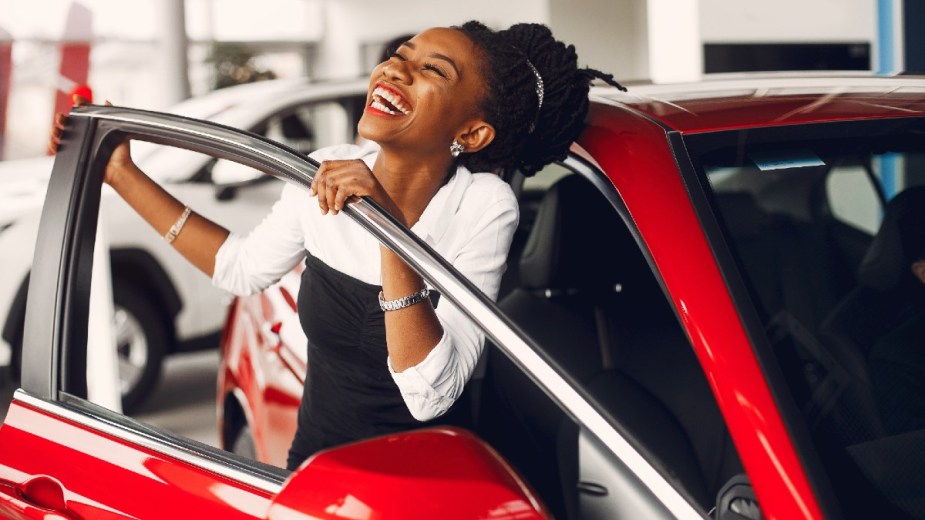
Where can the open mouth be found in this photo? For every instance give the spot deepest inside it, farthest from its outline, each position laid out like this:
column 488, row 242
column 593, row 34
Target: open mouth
column 389, row 101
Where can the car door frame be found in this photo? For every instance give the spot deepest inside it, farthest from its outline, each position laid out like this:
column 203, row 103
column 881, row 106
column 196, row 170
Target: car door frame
column 54, row 364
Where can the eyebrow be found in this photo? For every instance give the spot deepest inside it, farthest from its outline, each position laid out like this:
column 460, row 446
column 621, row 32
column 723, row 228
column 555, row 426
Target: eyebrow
column 436, row 55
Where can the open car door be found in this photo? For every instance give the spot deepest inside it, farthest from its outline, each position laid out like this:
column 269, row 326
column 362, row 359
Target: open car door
column 62, row 456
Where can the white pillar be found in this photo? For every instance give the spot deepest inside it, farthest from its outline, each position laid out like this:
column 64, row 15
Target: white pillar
column 174, row 63
column 674, row 43
column 339, row 47
column 635, row 40
column 102, row 360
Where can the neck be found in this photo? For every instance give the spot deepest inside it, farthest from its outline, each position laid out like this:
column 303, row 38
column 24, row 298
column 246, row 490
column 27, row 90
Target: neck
column 411, row 180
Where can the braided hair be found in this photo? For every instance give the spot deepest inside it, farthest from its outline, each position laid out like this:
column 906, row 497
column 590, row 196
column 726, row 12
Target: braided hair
column 533, row 127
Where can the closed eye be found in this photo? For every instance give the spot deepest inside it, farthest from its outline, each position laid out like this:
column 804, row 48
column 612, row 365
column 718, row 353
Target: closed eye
column 436, row 70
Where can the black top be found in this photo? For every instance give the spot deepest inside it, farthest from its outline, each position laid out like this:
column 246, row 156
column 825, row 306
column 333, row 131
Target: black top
column 349, row 393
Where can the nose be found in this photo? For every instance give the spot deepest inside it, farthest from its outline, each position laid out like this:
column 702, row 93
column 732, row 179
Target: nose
column 396, row 70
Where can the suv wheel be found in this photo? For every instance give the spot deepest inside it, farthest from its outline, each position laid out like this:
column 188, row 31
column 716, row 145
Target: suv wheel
column 141, row 344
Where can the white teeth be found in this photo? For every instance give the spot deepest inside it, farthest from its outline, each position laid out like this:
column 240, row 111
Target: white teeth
column 390, row 98
column 379, row 106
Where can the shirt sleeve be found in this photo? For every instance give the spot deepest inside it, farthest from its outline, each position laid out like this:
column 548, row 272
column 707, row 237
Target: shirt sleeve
column 246, row 265
column 433, row 385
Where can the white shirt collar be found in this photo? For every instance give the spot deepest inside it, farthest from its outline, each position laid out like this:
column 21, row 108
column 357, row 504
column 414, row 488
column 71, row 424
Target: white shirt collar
column 442, row 207
column 439, row 212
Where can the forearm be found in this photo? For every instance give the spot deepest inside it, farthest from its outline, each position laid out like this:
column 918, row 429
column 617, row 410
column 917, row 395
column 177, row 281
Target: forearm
column 412, row 332
column 199, row 239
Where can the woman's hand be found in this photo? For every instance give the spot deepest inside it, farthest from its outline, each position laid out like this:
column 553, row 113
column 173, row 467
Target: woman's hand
column 119, row 161
column 338, row 181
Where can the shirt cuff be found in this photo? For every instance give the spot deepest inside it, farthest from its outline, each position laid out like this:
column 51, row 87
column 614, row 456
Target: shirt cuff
column 223, row 258
column 417, row 384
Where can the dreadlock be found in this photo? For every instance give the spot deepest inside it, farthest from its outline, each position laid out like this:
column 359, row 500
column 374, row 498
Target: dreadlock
column 529, row 134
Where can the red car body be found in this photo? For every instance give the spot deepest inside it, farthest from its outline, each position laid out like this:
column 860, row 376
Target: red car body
column 660, row 156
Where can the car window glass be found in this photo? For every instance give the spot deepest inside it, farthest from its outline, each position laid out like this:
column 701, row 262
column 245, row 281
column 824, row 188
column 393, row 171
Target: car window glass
column 829, row 269
column 309, row 127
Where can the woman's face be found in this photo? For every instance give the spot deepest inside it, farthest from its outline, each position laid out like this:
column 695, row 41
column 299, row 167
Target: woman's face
column 428, row 92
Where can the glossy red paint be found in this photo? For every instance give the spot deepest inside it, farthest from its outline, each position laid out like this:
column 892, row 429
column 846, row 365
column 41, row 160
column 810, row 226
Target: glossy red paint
column 635, row 154
column 261, row 374
column 434, row 473
column 18, row 502
column 101, row 476
column 722, row 105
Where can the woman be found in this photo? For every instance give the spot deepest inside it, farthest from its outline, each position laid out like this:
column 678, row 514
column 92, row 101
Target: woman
column 382, row 354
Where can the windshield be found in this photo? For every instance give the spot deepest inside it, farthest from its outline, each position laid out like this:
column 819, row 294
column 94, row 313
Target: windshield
column 826, row 224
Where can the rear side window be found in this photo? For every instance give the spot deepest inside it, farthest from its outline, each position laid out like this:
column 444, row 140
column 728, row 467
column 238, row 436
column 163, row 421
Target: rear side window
column 828, row 267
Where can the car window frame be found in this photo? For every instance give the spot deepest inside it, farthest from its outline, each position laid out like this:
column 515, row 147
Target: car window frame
column 54, row 364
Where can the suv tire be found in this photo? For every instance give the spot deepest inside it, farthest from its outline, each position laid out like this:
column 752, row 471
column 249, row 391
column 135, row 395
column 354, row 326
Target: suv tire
column 141, row 342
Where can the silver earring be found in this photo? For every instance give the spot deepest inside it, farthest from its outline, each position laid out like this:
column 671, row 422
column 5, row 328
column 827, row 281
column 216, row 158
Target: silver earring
column 456, row 148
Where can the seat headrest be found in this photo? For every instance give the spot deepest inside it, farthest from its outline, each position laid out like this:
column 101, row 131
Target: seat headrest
column 898, row 243
column 578, row 242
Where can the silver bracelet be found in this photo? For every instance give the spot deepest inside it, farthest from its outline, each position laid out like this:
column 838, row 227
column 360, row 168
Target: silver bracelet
column 405, row 301
column 177, row 226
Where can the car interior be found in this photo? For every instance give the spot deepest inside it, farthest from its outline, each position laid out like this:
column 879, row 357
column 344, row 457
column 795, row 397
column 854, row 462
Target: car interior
column 595, row 309
column 587, row 296
column 824, row 303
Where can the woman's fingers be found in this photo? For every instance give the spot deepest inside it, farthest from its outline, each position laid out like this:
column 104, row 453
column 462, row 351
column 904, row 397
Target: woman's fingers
column 57, row 128
column 337, row 181
column 333, row 183
column 340, row 198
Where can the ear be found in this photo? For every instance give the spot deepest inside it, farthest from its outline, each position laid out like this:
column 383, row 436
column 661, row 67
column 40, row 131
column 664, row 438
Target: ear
column 918, row 269
column 476, row 136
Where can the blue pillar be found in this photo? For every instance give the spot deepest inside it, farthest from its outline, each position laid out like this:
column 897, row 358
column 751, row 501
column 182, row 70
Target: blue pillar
column 886, row 37
column 887, row 64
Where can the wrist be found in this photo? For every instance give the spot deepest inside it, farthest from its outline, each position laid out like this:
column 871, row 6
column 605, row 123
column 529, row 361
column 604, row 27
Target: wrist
column 117, row 175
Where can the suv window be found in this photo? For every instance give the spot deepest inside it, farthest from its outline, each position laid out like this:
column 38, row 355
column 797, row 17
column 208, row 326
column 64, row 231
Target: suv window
column 828, row 268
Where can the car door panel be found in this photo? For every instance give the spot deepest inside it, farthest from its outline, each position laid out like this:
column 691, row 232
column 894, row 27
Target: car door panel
column 103, row 461
column 104, row 476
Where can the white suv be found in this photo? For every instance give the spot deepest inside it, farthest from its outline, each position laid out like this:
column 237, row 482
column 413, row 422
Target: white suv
column 162, row 303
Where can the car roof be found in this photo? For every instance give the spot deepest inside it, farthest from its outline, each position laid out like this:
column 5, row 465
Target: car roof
column 228, row 105
column 736, row 102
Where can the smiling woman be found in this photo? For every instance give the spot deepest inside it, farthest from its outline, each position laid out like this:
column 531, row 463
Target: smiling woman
column 447, row 112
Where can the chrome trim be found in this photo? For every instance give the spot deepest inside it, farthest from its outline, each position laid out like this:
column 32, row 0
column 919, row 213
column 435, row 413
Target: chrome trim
column 152, row 440
column 291, row 167
column 438, row 272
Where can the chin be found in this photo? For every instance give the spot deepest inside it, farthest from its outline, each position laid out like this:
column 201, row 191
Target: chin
column 367, row 130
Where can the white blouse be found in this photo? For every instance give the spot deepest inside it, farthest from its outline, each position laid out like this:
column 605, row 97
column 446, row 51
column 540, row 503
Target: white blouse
column 470, row 221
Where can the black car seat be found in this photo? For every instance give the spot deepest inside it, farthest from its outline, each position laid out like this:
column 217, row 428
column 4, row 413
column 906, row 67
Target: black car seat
column 769, row 251
column 589, row 299
column 886, row 295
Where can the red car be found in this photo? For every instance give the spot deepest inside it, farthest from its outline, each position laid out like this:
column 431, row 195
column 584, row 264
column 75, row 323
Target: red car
column 701, row 308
